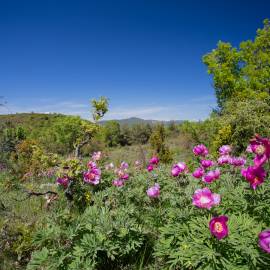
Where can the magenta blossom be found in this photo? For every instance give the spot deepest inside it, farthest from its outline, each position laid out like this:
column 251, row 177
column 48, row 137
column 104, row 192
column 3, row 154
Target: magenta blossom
column 178, row 168
column 237, row 161
column 96, row 156
column 150, row 168
column 218, row 227
column 63, row 181
column 261, row 147
column 225, row 150
column 264, row 240
column 211, row 176
column 92, row 176
column 198, row 173
column 204, row 198
column 118, row 183
column 123, row 165
column 200, row 150
column 223, row 160
column 122, row 174
column 91, row 164
column 154, row 191
column 254, row 175
column 206, row 163
column 154, row 160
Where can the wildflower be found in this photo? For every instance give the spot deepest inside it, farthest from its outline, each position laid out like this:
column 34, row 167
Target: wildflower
column 211, row 176
column 218, row 227
column 206, row 163
column 264, row 240
column 225, row 150
column 178, row 168
column 154, row 160
column 200, row 150
column 237, row 161
column 150, row 168
column 154, row 191
column 261, row 147
column 92, row 176
column 122, row 174
column 254, row 175
column 91, row 165
column 198, row 173
column 137, row 163
column 118, row 183
column 204, row 198
column 96, row 156
column 63, row 181
column 123, row 165
column 223, row 160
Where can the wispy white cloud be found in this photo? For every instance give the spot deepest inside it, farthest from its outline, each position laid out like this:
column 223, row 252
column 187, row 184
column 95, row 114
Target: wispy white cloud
column 193, row 109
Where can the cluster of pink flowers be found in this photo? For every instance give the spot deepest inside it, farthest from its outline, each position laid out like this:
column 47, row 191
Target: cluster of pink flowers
column 153, row 162
column 122, row 174
column 201, row 173
column 204, row 198
column 96, row 156
column 93, row 175
column 256, row 174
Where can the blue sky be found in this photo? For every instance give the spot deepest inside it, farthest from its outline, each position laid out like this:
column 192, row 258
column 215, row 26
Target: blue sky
column 145, row 56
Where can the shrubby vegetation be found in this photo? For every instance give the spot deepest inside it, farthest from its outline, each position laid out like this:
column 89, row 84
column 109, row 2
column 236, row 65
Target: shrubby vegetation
column 146, row 201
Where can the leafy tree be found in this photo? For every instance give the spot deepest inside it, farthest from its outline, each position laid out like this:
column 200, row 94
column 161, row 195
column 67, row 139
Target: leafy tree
column 241, row 73
column 112, row 133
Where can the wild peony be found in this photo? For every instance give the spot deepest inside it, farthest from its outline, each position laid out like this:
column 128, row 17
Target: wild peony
column 204, row 198
column 63, row 181
column 122, row 174
column 225, row 150
column 118, row 183
column 223, row 159
column 123, row 165
column 178, row 168
column 96, row 156
column 218, row 227
column 211, row 176
column 264, row 240
column 237, row 161
column 150, row 168
column 261, row 147
column 206, row 163
column 154, row 191
column 92, row 176
column 198, row 173
column 254, row 175
column 91, row 165
column 200, row 150
column 154, row 160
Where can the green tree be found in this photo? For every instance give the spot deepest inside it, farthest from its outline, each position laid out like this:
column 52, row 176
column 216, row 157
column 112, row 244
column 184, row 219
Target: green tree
column 241, row 73
column 112, row 133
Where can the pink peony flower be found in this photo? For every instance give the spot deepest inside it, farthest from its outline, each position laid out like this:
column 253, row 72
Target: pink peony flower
column 198, row 173
column 218, row 227
column 178, row 168
column 254, row 175
column 206, row 163
column 154, row 191
column 204, row 198
column 150, row 168
column 122, row 174
column 225, row 150
column 154, row 160
column 92, row 176
column 224, row 160
column 264, row 240
column 200, row 150
column 261, row 147
column 63, row 181
column 211, row 176
column 96, row 156
column 237, row 161
column 123, row 165
column 91, row 164
column 118, row 183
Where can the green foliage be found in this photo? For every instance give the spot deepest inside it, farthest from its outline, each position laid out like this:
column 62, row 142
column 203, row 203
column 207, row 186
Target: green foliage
column 99, row 108
column 157, row 141
column 241, row 73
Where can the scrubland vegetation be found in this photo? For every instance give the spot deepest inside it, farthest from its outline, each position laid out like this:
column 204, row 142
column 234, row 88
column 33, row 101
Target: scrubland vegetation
column 75, row 194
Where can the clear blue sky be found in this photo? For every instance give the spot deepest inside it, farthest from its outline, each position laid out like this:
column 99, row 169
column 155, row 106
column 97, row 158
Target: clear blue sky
column 145, row 56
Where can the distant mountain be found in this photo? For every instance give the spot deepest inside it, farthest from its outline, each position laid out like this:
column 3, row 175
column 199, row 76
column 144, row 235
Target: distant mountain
column 136, row 120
